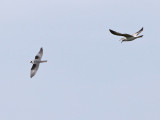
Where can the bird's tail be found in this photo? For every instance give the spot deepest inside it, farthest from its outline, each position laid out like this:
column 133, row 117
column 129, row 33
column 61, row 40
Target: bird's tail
column 140, row 36
column 43, row 61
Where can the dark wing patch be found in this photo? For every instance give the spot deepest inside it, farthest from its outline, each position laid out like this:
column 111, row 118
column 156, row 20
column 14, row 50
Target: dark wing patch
column 37, row 57
column 33, row 67
column 119, row 34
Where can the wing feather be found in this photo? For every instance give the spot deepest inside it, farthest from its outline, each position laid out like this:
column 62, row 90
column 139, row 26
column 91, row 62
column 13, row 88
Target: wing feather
column 137, row 33
column 120, row 34
column 34, row 70
column 39, row 55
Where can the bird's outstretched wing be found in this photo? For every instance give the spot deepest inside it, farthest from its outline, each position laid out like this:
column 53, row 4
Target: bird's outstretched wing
column 39, row 55
column 34, row 69
column 137, row 33
column 119, row 34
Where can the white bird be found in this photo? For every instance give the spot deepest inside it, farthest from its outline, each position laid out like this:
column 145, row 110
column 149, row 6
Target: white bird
column 36, row 62
column 128, row 37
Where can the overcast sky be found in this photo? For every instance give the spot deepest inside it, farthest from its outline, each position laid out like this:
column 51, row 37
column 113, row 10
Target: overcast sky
column 90, row 75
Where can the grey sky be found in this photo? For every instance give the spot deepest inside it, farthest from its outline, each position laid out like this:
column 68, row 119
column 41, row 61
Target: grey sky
column 90, row 75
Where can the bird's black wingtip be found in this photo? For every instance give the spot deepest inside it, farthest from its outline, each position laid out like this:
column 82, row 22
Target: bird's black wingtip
column 31, row 76
column 41, row 49
column 112, row 31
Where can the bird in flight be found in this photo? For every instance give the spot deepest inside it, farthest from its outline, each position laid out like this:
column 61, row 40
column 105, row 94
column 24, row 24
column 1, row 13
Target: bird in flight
column 36, row 62
column 128, row 37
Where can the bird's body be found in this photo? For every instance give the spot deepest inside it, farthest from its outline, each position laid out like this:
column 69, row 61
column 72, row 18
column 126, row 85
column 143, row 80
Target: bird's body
column 128, row 37
column 36, row 62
